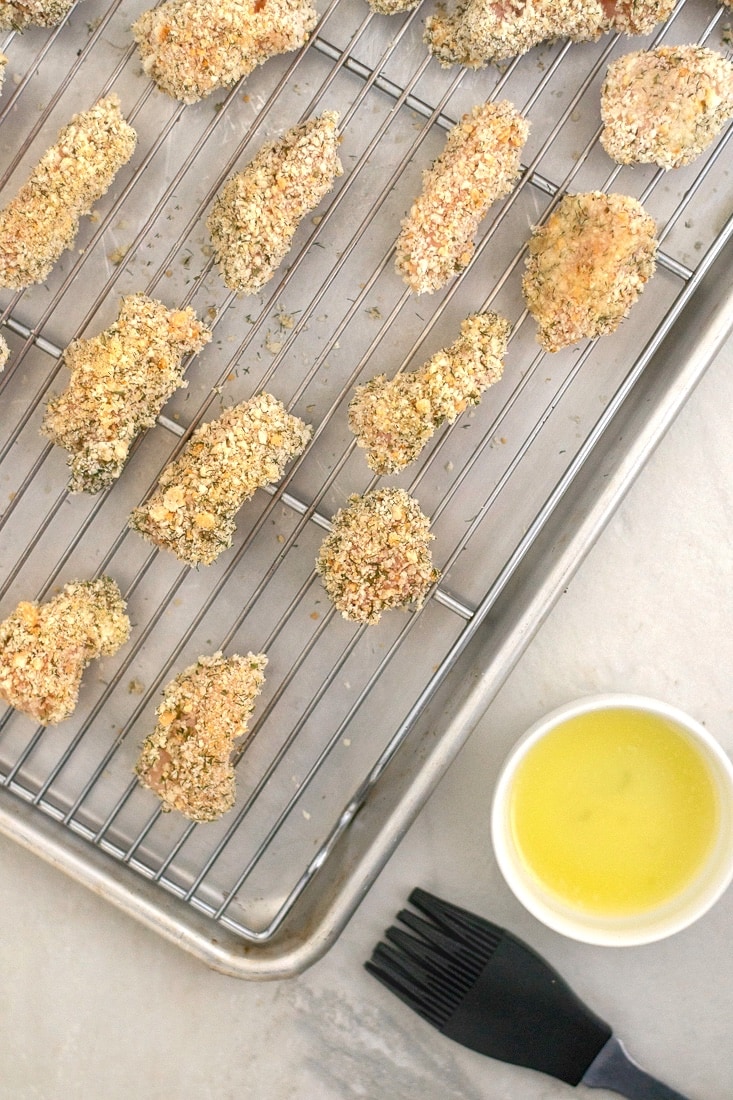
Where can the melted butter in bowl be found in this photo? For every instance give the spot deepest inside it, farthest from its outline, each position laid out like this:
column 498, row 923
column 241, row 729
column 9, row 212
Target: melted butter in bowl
column 613, row 820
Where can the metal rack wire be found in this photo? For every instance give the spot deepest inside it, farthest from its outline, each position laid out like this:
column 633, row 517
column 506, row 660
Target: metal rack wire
column 339, row 699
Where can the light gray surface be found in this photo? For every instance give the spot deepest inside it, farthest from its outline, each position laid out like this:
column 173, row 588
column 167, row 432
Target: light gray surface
column 94, row 1005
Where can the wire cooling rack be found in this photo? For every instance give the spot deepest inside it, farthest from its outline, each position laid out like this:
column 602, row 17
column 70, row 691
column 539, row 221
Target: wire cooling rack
column 340, row 701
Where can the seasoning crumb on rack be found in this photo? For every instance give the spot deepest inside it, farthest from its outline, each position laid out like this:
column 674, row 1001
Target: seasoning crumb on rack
column 3, row 63
column 44, row 648
column 587, row 265
column 258, row 210
column 665, row 106
column 394, row 419
column 16, row 15
column 193, row 509
column 43, row 218
column 4, row 352
column 186, row 760
column 376, row 556
column 120, row 380
column 479, row 164
column 192, row 47
column 477, row 32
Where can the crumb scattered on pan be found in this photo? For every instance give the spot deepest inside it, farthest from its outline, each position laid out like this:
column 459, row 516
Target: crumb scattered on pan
column 43, row 218
column 16, row 15
column 44, row 648
column 192, row 47
column 4, row 352
column 186, row 760
column 394, row 419
column 377, row 555
column 476, row 31
column 479, row 164
column 257, row 212
column 117, row 255
column 192, row 511
column 665, row 106
column 587, row 265
column 120, row 380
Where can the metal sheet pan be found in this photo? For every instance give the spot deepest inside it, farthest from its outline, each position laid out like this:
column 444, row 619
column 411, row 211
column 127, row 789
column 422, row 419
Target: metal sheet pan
column 355, row 725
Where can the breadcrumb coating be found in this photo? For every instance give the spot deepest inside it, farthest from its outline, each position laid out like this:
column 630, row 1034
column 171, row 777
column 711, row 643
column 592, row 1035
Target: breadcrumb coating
column 256, row 214
column 192, row 47
column 43, row 218
column 193, row 509
column 479, row 164
column 587, row 265
column 120, row 380
column 44, row 648
column 377, row 555
column 394, row 419
column 186, row 760
column 4, row 352
column 636, row 16
column 477, row 31
column 665, row 106
column 19, row 14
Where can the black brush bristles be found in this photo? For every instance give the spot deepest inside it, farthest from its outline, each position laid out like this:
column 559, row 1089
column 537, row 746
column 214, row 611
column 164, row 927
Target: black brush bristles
column 433, row 970
column 459, row 923
column 484, row 988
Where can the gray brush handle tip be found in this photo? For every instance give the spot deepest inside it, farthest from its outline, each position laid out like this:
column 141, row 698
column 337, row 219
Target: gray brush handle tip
column 612, row 1068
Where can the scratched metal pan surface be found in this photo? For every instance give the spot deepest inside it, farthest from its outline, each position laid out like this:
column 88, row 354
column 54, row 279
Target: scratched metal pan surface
column 355, row 724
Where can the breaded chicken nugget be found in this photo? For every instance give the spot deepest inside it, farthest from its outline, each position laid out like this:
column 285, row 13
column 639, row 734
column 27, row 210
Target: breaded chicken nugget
column 44, row 648
column 587, row 265
column 394, row 419
column 192, row 511
column 192, row 47
column 377, row 555
column 479, row 164
column 256, row 214
column 392, row 7
column 186, row 760
column 120, row 380
column 636, row 16
column 43, row 218
column 16, row 15
column 665, row 106
column 478, row 31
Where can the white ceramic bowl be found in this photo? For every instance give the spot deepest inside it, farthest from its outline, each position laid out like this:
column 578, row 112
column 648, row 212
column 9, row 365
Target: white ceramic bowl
column 653, row 924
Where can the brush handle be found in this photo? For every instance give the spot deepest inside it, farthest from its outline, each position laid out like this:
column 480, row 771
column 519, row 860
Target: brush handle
column 613, row 1069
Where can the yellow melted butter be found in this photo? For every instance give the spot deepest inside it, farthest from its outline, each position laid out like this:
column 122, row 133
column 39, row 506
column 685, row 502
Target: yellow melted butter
column 614, row 811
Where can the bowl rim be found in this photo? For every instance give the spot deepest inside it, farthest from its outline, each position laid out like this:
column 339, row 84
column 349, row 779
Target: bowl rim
column 621, row 931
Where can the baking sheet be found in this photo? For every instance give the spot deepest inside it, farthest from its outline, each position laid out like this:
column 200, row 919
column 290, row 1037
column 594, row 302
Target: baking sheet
column 335, row 315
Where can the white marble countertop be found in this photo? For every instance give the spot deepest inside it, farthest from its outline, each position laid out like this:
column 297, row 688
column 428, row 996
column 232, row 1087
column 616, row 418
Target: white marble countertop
column 94, row 1005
